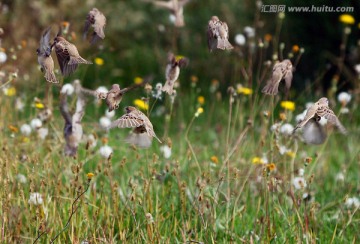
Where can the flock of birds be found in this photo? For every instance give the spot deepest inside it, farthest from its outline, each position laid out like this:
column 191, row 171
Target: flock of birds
column 217, row 35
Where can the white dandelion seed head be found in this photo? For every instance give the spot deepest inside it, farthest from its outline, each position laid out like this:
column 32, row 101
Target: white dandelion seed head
column 67, row 89
column 344, row 110
column 275, row 127
column 340, row 176
column 166, row 150
column 105, row 151
column 3, row 57
column 35, row 124
column 42, row 133
column 35, row 199
column 102, row 89
column 105, row 122
column 25, row 129
column 352, row 202
column 19, row 104
column 172, row 18
column 299, row 183
column 344, row 98
column 109, row 114
column 301, row 172
column 21, row 178
column 249, row 31
column 240, row 39
column 283, row 150
column 286, row 129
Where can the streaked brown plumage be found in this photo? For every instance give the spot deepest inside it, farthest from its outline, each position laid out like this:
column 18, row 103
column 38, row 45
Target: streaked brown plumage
column 172, row 72
column 67, row 55
column 218, row 34
column 282, row 70
column 176, row 7
column 97, row 20
column 135, row 119
column 44, row 57
column 321, row 110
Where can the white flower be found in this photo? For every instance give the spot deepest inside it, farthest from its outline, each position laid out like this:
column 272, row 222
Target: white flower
column 19, row 104
column 286, row 129
column 166, row 150
column 102, row 89
column 42, row 133
column 25, row 129
column 158, row 91
column 352, row 202
column 35, row 124
column 109, row 114
column 3, row 57
column 275, row 127
column 344, row 98
column 299, row 183
column 67, row 89
column 105, row 151
column 264, row 159
column 357, row 68
column 340, row 176
column 35, row 199
column 301, row 172
column 283, row 150
column 21, row 178
column 249, row 31
column 172, row 18
column 105, row 122
column 240, row 39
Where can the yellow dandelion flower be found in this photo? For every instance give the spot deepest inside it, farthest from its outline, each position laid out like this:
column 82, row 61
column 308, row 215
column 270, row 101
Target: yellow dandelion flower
column 257, row 160
column 347, row 19
column 201, row 100
column 39, row 105
column 13, row 128
column 178, row 57
column 89, row 176
column 25, row 139
column 141, row 104
column 288, row 105
column 291, row 154
column 10, row 92
column 199, row 111
column 99, row 61
column 214, row 159
column 295, row 48
column 271, row 166
column 244, row 90
column 138, row 80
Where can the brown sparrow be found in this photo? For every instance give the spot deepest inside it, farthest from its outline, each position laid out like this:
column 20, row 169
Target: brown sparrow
column 44, row 57
column 218, row 35
column 97, row 20
column 172, row 72
column 282, row 70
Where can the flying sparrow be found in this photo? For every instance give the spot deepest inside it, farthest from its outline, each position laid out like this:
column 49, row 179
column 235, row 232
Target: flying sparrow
column 282, row 70
column 44, row 57
column 67, row 55
column 172, row 72
column 176, row 7
column 321, row 110
column 97, row 20
column 218, row 35
column 73, row 130
column 135, row 119
column 313, row 132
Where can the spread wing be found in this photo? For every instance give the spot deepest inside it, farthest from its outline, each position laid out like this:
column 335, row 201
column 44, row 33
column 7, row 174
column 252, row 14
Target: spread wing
column 88, row 22
column 99, row 25
column 288, row 79
column 45, row 48
column 328, row 114
column 63, row 58
column 127, row 121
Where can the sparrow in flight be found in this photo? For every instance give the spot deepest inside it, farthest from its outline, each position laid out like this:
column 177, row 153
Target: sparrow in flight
column 176, row 7
column 321, row 110
column 218, row 35
column 172, row 72
column 44, row 57
column 281, row 70
column 67, row 54
column 137, row 120
column 97, row 20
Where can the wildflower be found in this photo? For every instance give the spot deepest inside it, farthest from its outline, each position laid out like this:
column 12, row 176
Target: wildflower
column 268, row 37
column 282, row 116
column 149, row 218
column 10, row 91
column 99, row 61
column 102, row 89
column 301, row 172
column 158, row 91
column 105, row 122
column 214, row 159
column 166, row 150
column 13, row 128
column 257, row 160
column 286, row 129
column 25, row 139
column 194, row 79
column 308, row 160
column 240, row 39
column 201, row 100
column 19, row 104
column 21, row 178
column 249, row 31
column 295, row 48
column 291, row 154
column 109, row 114
column 178, row 57
column 352, row 202
column 172, row 18
column 42, row 133
column 25, row 129
column 35, row 124
column 344, row 98
column 344, row 110
column 141, row 104
column 288, row 105
column 275, row 127
column 138, row 80
column 340, row 176
column 35, row 199
column 199, row 111
column 105, row 151
column 104, row 140
column 89, row 176
column 3, row 57
column 347, row 19
column 67, row 89
column 271, row 166
column 299, row 183
column 214, row 85
column 65, row 27
column 244, row 90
